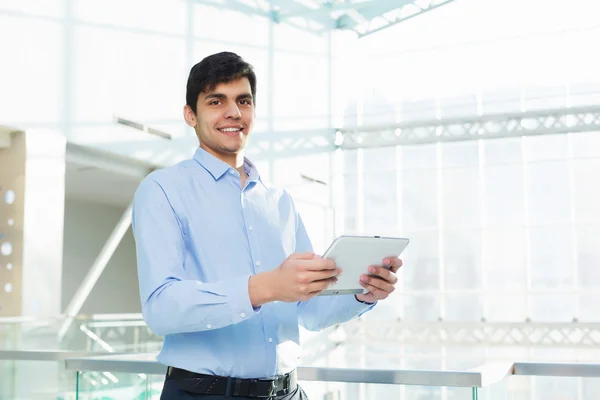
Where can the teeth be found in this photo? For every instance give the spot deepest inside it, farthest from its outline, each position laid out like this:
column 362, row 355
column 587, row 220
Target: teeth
column 230, row 130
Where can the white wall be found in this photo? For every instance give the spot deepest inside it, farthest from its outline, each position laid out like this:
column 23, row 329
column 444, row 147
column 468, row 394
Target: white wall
column 87, row 226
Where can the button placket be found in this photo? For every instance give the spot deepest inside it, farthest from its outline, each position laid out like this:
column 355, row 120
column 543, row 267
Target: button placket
column 248, row 222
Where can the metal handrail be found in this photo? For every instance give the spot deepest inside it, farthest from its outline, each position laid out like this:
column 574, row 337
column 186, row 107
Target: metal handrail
column 482, row 376
column 485, row 375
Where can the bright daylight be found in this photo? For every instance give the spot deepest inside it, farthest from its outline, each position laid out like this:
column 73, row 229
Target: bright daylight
column 299, row 200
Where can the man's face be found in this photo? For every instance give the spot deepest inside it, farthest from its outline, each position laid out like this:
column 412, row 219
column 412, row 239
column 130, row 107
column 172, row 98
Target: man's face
column 224, row 117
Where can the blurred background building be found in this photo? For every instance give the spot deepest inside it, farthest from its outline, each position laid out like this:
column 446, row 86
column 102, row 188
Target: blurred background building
column 469, row 126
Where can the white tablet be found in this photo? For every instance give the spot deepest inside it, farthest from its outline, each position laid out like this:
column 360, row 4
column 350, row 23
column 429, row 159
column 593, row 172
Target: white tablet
column 355, row 254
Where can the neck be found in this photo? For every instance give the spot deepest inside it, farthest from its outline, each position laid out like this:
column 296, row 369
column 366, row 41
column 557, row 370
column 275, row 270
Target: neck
column 235, row 160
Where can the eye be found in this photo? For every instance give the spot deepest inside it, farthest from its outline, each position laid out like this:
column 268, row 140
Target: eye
column 214, row 103
column 246, row 102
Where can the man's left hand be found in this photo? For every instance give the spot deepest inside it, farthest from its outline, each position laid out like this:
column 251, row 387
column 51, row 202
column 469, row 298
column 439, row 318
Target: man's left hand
column 382, row 282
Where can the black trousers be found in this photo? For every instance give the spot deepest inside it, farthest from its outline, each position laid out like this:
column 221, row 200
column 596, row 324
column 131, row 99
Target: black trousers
column 172, row 392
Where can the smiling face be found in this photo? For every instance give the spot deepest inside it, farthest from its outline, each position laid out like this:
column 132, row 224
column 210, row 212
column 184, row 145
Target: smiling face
column 224, row 119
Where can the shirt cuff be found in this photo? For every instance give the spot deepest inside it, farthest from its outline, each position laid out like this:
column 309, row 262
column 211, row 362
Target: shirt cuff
column 241, row 307
column 358, row 307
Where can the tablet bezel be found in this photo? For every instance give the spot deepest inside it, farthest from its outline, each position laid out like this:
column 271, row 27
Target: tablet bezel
column 380, row 247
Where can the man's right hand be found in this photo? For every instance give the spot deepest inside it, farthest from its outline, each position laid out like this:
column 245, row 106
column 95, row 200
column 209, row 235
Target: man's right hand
column 300, row 277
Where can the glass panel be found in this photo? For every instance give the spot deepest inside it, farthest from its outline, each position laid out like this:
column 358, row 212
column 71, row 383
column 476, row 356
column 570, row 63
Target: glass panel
column 460, row 154
column 380, row 204
column 502, row 151
column 362, row 391
column 418, row 157
column 93, row 385
column 588, row 307
column 462, row 260
column 296, row 104
column 350, row 204
column 289, row 38
column 350, row 161
column 504, row 258
column 588, row 257
column 208, row 23
column 421, row 307
column 419, row 199
column 506, row 307
column 463, row 307
column 548, row 196
column 421, row 260
column 157, row 16
column 587, row 194
column 380, row 160
column 513, row 388
column 461, row 198
column 554, row 388
column 35, row 380
column 503, row 192
column 150, row 88
column 553, row 307
column 53, row 8
column 551, row 258
column 546, row 147
column 586, row 144
column 27, row 41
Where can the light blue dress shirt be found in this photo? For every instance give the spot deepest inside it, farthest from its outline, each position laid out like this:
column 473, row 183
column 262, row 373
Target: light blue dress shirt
column 199, row 237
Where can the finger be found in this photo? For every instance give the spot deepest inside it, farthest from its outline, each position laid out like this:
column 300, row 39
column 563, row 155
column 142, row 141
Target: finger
column 393, row 263
column 377, row 293
column 301, row 256
column 384, row 273
column 319, row 286
column 313, row 276
column 380, row 284
column 318, row 264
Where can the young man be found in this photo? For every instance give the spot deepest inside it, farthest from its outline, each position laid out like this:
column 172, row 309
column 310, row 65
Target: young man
column 226, row 268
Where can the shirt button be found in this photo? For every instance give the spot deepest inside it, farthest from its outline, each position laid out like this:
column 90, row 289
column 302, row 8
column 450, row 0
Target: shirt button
column 243, row 315
column 250, row 228
column 258, row 263
column 231, row 172
column 209, row 326
column 270, row 340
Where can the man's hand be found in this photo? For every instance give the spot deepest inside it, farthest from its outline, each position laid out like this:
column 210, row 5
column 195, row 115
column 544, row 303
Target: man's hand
column 300, row 277
column 383, row 283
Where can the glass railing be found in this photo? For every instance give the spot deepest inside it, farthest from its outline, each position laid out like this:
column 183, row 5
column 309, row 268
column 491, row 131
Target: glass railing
column 139, row 376
column 35, row 346
column 94, row 333
column 28, row 345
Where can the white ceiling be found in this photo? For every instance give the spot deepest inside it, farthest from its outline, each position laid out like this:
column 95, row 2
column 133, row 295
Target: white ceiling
column 97, row 185
column 101, row 177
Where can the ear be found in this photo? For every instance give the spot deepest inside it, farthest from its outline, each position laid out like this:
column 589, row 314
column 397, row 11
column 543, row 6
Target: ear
column 189, row 116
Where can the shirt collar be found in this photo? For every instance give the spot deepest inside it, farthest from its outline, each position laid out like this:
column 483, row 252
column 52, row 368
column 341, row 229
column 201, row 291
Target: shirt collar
column 218, row 168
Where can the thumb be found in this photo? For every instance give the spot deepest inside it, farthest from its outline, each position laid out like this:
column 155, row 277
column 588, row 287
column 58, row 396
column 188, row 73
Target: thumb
column 302, row 256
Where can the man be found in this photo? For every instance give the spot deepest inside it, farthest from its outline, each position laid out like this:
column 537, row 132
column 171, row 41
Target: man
column 226, row 268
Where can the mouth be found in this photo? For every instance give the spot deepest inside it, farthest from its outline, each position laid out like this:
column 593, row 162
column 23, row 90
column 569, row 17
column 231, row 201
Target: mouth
column 231, row 131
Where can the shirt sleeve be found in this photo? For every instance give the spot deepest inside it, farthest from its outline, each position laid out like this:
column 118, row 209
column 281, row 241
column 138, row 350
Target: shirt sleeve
column 322, row 312
column 172, row 303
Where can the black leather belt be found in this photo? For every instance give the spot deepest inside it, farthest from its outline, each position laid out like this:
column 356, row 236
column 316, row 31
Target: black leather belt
column 219, row 385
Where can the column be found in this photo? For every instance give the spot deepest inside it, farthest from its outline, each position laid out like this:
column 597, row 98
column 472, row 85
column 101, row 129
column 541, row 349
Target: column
column 32, row 192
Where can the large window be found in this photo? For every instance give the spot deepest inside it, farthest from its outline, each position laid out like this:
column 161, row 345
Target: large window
column 500, row 229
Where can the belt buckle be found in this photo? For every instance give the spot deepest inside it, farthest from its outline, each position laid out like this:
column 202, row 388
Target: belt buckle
column 260, row 386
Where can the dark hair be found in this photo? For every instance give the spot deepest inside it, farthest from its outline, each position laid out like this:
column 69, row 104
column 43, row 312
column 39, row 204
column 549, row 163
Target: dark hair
column 218, row 68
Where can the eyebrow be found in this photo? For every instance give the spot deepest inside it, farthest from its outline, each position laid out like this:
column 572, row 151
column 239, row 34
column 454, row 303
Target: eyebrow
column 221, row 96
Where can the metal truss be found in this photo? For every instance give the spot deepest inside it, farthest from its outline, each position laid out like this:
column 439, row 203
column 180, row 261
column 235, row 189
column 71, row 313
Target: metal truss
column 370, row 17
column 472, row 334
column 319, row 16
column 543, row 122
column 291, row 144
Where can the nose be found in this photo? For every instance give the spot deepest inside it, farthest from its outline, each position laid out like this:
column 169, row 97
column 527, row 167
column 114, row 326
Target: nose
column 233, row 112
